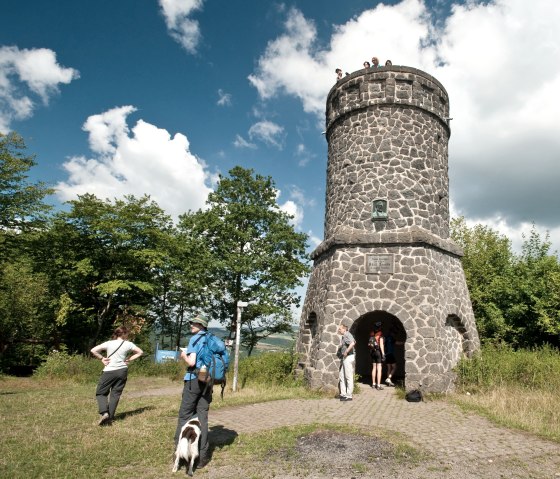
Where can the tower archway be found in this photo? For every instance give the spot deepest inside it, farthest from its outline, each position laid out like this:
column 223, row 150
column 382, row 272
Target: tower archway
column 361, row 330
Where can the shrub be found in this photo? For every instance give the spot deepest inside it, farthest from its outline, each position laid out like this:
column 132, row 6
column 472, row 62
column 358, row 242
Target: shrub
column 145, row 366
column 267, row 368
column 61, row 365
column 537, row 368
column 273, row 368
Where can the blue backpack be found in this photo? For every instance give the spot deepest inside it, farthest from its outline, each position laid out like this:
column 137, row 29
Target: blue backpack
column 212, row 360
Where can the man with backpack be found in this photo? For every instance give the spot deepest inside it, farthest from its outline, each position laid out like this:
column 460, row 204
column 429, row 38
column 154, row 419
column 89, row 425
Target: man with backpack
column 197, row 395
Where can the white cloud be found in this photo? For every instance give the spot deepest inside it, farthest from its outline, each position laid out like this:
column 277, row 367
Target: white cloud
column 224, row 99
column 304, row 155
column 241, row 142
column 497, row 61
column 268, row 132
column 293, row 209
column 23, row 73
column 295, row 65
column 183, row 30
column 144, row 160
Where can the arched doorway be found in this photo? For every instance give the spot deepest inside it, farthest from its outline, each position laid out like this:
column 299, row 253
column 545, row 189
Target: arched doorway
column 361, row 330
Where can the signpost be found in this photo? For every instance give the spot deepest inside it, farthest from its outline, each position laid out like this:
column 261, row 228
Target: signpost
column 240, row 306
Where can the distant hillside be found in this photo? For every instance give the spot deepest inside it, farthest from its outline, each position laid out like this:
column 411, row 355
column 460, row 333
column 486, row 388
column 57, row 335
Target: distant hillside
column 275, row 342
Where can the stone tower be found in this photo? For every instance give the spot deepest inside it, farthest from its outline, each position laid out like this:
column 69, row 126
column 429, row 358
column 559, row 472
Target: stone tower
column 386, row 255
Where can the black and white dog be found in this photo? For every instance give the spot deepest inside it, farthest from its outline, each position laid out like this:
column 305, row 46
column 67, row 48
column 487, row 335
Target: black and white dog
column 187, row 447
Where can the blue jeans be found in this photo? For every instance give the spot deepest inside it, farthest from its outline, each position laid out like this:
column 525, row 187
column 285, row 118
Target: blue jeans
column 195, row 402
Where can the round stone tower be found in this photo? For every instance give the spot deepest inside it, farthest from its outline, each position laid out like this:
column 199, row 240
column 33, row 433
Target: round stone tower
column 386, row 255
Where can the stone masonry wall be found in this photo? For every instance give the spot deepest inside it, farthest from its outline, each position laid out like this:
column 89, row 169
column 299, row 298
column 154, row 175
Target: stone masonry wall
column 388, row 130
column 383, row 145
column 427, row 287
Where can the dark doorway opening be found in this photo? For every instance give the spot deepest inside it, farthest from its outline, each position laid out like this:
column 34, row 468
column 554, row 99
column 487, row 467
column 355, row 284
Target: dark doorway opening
column 361, row 330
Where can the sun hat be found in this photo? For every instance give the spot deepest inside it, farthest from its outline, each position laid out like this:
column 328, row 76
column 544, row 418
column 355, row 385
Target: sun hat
column 200, row 320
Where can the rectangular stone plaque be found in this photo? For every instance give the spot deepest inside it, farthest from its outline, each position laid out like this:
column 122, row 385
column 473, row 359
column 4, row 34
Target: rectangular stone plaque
column 380, row 263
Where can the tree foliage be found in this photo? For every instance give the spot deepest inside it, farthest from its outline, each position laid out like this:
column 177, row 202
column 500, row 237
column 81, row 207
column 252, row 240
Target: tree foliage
column 21, row 202
column 254, row 254
column 515, row 297
column 101, row 258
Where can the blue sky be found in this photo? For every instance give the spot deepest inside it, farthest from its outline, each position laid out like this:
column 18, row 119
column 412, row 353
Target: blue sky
column 146, row 96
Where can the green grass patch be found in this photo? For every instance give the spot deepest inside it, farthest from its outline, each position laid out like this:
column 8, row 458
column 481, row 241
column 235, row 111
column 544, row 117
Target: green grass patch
column 514, row 388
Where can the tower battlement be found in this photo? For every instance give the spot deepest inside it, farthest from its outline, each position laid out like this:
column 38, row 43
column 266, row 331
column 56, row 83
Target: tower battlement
column 386, row 86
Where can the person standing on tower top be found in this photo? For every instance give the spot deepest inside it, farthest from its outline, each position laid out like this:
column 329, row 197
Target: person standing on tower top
column 375, row 62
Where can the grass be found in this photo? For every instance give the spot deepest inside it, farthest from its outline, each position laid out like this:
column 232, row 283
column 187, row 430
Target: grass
column 514, row 388
column 49, row 424
column 50, row 430
column 50, row 421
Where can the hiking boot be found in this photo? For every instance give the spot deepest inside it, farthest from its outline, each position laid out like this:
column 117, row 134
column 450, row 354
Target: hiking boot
column 202, row 462
column 389, row 383
column 346, row 399
column 379, row 387
column 105, row 419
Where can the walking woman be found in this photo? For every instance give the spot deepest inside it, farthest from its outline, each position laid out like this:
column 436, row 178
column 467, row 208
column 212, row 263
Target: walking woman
column 115, row 372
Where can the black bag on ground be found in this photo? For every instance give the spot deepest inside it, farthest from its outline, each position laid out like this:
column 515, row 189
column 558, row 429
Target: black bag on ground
column 414, row 396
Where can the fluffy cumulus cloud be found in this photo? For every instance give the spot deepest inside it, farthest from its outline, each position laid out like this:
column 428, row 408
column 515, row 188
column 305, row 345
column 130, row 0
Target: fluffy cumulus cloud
column 295, row 205
column 181, row 26
column 28, row 76
column 294, row 210
column 137, row 161
column 498, row 62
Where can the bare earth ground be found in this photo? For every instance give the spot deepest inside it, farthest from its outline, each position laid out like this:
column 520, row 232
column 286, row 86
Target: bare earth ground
column 442, row 441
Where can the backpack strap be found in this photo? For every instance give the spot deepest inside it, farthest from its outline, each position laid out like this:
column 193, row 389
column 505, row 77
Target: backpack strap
column 116, row 349
column 194, row 369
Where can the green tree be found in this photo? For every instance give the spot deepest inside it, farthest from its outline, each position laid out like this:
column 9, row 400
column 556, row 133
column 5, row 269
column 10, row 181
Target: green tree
column 24, row 327
column 488, row 264
column 535, row 316
column 182, row 284
column 255, row 254
column 21, row 202
column 23, row 298
column 515, row 298
column 102, row 259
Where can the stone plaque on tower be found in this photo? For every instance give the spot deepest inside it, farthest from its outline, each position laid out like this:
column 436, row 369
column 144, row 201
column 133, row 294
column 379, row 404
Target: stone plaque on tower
column 380, row 263
column 386, row 255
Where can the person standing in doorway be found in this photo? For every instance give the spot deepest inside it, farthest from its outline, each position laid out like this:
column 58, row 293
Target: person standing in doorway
column 390, row 359
column 376, row 344
column 347, row 361
column 115, row 373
